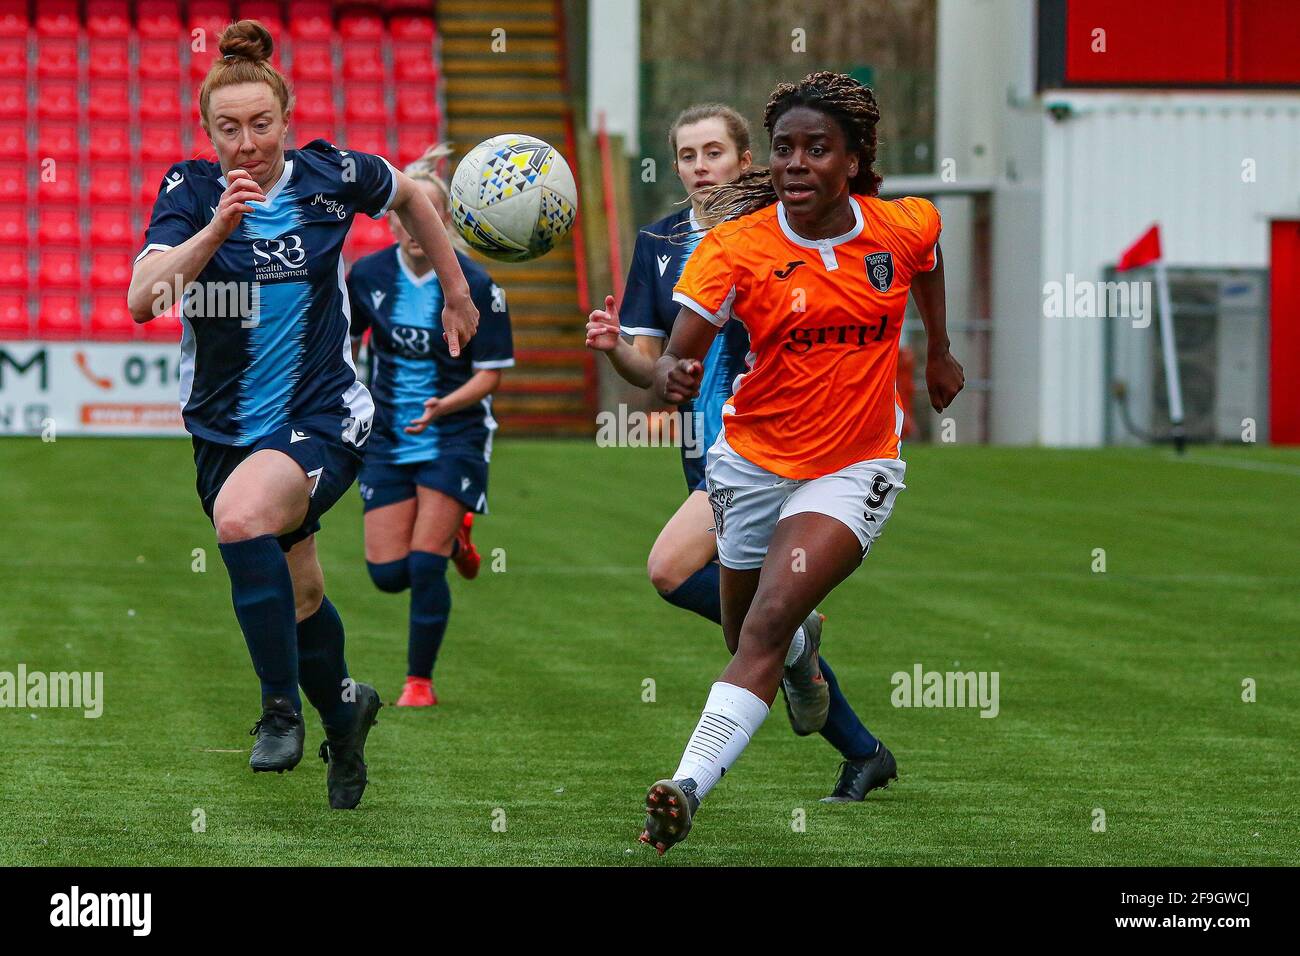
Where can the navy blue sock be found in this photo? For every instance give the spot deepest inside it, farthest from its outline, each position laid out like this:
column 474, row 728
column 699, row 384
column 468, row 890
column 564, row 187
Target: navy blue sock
column 262, row 592
column 322, row 668
column 699, row 593
column 844, row 730
column 391, row 576
column 430, row 608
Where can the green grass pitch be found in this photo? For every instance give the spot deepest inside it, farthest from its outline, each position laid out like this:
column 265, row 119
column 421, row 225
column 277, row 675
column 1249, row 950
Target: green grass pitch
column 1119, row 691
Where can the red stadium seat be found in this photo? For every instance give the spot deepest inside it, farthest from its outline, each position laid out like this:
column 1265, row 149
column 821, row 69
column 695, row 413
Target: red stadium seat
column 60, row 269
column 151, row 181
column 57, row 18
column 369, row 233
column 109, row 317
column 111, row 228
column 13, row 58
column 159, row 19
column 360, row 24
column 368, row 139
column 412, row 141
column 201, row 62
column 266, row 12
column 160, row 100
column 109, row 100
column 15, row 320
column 411, row 27
column 363, row 60
column 111, row 269
column 160, row 59
column 58, row 316
column 166, row 328
column 13, row 99
column 413, row 63
column 311, row 19
column 304, row 133
column 108, row 58
column 58, row 183
column 13, row 17
column 109, row 142
column 57, row 58
column 13, row 140
column 59, row 226
column 58, row 99
column 366, row 103
column 160, row 140
column 110, row 185
column 13, row 226
column 60, row 140
column 108, row 18
column 417, row 104
column 314, row 103
column 13, row 269
column 313, row 60
column 13, row 180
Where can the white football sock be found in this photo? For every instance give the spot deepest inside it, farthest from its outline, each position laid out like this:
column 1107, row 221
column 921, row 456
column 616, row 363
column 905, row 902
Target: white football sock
column 732, row 715
column 796, row 647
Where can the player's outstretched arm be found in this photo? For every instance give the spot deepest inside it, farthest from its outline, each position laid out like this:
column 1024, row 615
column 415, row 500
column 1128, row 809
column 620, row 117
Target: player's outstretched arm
column 156, row 278
column 482, row 384
column 943, row 373
column 420, row 219
column 681, row 368
column 635, row 363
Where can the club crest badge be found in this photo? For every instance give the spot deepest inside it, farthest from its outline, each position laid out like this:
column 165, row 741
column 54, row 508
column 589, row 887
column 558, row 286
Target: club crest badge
column 880, row 270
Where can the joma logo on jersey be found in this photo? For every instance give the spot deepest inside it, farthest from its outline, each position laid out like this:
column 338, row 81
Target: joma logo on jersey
column 855, row 335
column 788, row 270
column 287, row 251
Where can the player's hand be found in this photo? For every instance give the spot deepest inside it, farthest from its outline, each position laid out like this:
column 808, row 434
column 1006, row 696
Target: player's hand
column 432, row 409
column 459, row 323
column 944, row 378
column 602, row 327
column 241, row 189
column 683, row 381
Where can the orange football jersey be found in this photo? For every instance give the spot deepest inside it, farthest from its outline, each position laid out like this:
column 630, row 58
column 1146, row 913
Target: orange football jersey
column 823, row 319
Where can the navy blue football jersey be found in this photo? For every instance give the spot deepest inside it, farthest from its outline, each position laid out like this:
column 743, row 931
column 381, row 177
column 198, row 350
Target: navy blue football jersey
column 265, row 327
column 648, row 309
column 410, row 361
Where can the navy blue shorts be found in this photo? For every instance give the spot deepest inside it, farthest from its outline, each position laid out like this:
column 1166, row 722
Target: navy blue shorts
column 693, row 468
column 316, row 444
column 462, row 477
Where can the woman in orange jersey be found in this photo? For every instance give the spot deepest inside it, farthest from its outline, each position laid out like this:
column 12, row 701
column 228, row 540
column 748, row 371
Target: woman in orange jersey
column 806, row 470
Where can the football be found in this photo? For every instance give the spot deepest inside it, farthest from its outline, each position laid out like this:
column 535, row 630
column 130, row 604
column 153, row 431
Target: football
column 513, row 197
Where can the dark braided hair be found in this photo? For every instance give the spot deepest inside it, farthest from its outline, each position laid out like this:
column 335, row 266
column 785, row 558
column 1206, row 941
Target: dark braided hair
column 852, row 105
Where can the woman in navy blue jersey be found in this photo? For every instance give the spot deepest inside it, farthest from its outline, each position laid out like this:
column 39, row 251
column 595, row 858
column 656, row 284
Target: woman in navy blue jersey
column 710, row 146
column 426, row 469
column 268, row 388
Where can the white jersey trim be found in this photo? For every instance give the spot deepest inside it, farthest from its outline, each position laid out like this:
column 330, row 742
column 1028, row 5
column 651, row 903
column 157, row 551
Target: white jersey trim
column 493, row 363
column 718, row 318
column 637, row 330
column 152, row 247
column 360, row 406
column 392, row 192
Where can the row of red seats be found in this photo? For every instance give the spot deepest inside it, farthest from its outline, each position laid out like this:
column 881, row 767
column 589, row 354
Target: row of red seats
column 309, row 60
column 102, row 316
column 408, row 19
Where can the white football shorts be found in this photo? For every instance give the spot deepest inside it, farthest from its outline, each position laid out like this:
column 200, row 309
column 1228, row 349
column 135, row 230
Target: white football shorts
column 749, row 500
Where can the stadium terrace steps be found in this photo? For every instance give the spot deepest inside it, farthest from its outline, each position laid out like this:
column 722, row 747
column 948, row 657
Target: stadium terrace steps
column 551, row 389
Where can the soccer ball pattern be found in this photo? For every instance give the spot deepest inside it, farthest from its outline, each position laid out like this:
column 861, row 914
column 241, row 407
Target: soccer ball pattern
column 513, row 197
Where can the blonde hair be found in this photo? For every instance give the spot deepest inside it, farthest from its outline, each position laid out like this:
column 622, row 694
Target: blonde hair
column 246, row 49
column 428, row 169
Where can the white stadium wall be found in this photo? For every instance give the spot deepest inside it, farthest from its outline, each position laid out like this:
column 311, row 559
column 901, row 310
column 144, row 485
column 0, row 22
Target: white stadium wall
column 1125, row 160
column 1070, row 195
